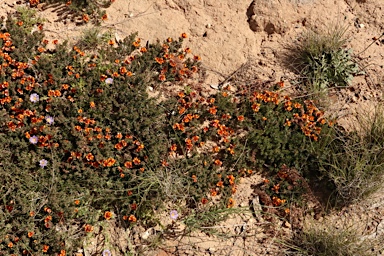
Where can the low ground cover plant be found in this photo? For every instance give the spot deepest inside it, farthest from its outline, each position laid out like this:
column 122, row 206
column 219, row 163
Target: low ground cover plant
column 82, row 141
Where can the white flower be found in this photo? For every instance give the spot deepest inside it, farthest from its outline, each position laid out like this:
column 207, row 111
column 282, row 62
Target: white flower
column 34, row 97
column 109, row 80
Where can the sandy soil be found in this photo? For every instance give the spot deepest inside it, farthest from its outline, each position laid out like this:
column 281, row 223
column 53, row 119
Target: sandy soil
column 253, row 35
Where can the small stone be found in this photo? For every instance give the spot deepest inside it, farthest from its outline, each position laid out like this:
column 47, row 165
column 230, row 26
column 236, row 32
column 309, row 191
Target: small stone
column 118, row 38
column 208, row 25
column 286, row 224
column 361, row 25
column 146, row 234
column 214, row 86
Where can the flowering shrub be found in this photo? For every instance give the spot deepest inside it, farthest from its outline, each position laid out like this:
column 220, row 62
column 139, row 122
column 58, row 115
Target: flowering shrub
column 82, row 141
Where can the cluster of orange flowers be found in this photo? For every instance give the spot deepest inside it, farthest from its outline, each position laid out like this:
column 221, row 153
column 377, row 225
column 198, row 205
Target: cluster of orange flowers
column 34, row 2
column 277, row 201
column 266, row 97
column 174, row 64
column 309, row 120
column 308, row 117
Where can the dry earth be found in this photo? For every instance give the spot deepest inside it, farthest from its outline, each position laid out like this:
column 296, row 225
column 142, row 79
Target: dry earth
column 248, row 38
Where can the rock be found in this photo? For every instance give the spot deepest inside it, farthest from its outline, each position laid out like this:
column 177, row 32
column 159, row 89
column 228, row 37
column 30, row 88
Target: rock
column 271, row 17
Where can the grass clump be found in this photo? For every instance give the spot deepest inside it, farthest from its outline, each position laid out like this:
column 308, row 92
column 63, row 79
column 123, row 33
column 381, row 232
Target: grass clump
column 323, row 240
column 321, row 59
column 355, row 159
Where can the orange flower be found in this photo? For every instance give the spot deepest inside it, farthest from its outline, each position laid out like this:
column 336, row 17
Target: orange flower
column 31, row 214
column 48, row 218
column 196, row 58
column 297, row 105
column 240, row 118
column 20, row 23
column 77, row 202
column 128, row 164
column 213, row 110
column 57, row 93
column 231, row 203
column 85, row 17
column 55, row 41
column 173, row 147
column 30, row 234
column 88, row 228
column 45, row 248
column 220, row 184
column 194, row 178
column 162, row 77
column 169, row 40
column 143, row 49
column 123, row 70
column 218, row 162
column 104, row 17
column 132, row 218
column 204, row 200
column 231, row 179
column 184, row 35
column 109, row 162
column 213, row 192
column 118, row 146
column 10, row 245
column 256, row 107
column 136, row 161
column 164, row 163
column 140, row 147
column 89, row 157
column 195, row 138
column 108, row 215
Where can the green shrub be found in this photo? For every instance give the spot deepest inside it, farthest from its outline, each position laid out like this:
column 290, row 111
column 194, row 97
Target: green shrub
column 321, row 59
column 81, row 139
